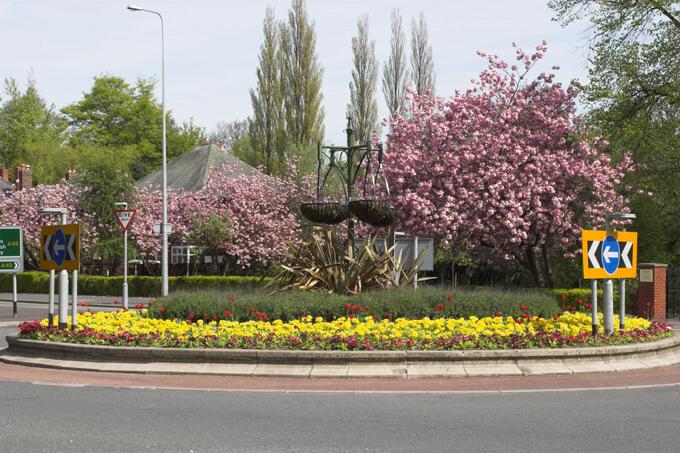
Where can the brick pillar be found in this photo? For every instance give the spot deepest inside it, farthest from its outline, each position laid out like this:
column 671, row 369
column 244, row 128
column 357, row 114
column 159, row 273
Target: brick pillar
column 651, row 296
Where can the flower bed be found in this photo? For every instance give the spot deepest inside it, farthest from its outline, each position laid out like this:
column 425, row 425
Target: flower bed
column 135, row 328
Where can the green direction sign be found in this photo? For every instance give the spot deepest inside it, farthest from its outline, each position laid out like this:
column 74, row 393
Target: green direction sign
column 10, row 242
column 9, row 266
column 11, row 249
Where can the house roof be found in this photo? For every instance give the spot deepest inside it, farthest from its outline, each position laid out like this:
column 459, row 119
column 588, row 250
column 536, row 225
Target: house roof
column 190, row 171
column 5, row 186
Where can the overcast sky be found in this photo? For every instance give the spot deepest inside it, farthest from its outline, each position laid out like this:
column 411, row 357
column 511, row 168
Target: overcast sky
column 212, row 46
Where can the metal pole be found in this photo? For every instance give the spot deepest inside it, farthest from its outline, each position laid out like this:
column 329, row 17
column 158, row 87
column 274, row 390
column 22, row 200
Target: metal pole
column 50, row 308
column 622, row 308
column 125, row 270
column 608, row 296
column 63, row 299
column 14, row 295
column 74, row 301
column 164, row 245
column 415, row 257
column 593, row 303
column 63, row 288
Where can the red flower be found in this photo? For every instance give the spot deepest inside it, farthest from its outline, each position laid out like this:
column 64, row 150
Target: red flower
column 348, row 307
column 228, row 314
column 161, row 310
column 499, row 314
column 214, row 317
column 232, row 298
column 523, row 307
column 206, row 314
column 580, row 301
column 251, row 310
column 449, row 297
column 563, row 297
column 115, row 302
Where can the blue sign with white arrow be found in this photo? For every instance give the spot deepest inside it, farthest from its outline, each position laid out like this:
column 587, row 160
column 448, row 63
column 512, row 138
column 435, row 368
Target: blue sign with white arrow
column 611, row 253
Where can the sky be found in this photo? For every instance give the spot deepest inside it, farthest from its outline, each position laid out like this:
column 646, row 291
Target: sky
column 212, row 46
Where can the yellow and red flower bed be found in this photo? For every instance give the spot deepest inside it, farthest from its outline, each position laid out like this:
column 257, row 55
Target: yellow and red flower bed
column 135, row 328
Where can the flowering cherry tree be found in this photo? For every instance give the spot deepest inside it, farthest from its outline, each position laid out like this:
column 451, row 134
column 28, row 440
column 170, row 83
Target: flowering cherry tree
column 257, row 209
column 21, row 209
column 502, row 170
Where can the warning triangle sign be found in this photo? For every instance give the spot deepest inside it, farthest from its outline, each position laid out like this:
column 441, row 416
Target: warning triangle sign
column 124, row 217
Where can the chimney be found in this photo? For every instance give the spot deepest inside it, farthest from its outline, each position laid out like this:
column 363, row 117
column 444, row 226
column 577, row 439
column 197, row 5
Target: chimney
column 24, row 177
column 70, row 175
column 5, row 174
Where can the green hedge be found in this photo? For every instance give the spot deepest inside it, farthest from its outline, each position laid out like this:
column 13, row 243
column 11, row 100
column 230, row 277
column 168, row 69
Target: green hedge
column 430, row 301
column 94, row 285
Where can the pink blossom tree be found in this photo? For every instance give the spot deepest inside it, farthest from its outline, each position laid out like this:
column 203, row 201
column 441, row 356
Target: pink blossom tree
column 21, row 209
column 503, row 170
column 258, row 209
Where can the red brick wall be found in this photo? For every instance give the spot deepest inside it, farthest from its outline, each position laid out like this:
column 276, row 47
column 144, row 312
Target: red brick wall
column 651, row 297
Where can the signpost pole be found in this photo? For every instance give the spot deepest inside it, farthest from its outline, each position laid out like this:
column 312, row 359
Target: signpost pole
column 74, row 301
column 125, row 269
column 14, row 294
column 608, row 293
column 593, row 303
column 50, row 308
column 622, row 308
column 63, row 299
column 63, row 286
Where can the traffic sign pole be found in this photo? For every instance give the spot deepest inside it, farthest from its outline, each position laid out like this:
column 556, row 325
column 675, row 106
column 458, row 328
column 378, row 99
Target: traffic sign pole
column 608, row 306
column 622, row 308
column 74, row 301
column 14, row 294
column 593, row 303
column 50, row 309
column 63, row 299
column 125, row 270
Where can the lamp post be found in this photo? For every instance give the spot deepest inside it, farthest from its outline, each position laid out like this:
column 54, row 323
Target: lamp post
column 164, row 223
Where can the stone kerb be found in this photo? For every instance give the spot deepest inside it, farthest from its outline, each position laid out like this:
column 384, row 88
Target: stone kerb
column 342, row 363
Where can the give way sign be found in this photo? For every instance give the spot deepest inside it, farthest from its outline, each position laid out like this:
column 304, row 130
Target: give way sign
column 124, row 217
column 609, row 254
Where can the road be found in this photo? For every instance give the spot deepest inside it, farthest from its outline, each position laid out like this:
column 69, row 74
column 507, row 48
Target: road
column 84, row 419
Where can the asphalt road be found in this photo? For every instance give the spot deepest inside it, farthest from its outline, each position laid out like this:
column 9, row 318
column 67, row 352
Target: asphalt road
column 83, row 419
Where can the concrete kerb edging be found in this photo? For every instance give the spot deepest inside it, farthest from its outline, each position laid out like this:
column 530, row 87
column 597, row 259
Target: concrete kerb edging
column 242, row 362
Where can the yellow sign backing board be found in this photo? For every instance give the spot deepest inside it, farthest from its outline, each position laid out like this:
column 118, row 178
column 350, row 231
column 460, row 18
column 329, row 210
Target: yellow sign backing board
column 60, row 247
column 609, row 254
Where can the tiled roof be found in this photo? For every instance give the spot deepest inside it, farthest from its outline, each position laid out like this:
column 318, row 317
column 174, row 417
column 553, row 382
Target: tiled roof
column 190, row 170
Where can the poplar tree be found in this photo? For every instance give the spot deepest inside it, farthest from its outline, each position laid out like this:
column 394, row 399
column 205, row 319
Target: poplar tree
column 363, row 106
column 422, row 67
column 267, row 100
column 395, row 72
column 301, row 82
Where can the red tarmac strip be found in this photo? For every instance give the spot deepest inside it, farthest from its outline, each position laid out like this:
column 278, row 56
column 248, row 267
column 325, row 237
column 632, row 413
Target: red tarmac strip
column 657, row 376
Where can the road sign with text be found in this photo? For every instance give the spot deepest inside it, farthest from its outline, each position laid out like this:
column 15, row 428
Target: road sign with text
column 60, row 247
column 11, row 249
column 124, row 217
column 609, row 254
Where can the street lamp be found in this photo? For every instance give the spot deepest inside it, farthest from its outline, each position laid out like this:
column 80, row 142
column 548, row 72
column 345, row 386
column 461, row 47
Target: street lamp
column 164, row 224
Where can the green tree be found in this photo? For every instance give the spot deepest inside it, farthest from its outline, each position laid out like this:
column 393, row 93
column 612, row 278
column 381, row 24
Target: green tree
column 634, row 102
column 301, row 81
column 363, row 105
column 422, row 66
column 116, row 114
column 267, row 128
column 395, row 72
column 25, row 118
column 105, row 181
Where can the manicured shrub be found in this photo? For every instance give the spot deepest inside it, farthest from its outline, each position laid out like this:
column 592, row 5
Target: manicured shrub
column 432, row 301
column 94, row 285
